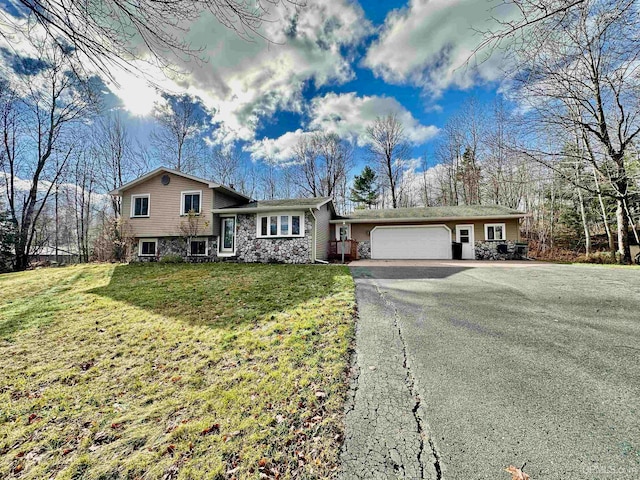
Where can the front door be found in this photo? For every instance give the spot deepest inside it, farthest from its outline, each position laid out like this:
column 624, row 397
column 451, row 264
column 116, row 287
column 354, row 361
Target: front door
column 228, row 240
column 465, row 236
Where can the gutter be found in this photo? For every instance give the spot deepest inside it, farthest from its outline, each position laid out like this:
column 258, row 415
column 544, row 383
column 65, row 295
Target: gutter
column 291, row 208
column 426, row 219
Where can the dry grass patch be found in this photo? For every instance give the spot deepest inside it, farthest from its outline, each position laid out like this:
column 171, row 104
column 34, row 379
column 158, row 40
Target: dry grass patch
column 174, row 371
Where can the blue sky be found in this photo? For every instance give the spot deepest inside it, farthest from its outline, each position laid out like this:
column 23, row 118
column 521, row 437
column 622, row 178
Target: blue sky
column 345, row 63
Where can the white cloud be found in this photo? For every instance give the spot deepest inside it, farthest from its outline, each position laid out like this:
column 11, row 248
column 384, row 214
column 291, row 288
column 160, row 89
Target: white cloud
column 429, row 43
column 279, row 150
column 244, row 82
column 349, row 115
column 346, row 115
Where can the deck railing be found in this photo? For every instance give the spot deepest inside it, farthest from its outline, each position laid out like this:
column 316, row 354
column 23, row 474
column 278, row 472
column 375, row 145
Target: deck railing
column 350, row 249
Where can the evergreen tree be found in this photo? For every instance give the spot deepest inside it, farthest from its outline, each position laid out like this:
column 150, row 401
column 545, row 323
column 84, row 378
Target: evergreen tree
column 365, row 188
column 7, row 240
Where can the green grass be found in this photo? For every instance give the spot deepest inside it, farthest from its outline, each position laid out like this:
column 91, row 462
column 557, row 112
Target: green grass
column 174, row 371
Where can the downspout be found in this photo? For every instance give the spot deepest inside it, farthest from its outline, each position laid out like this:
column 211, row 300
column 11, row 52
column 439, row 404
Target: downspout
column 315, row 233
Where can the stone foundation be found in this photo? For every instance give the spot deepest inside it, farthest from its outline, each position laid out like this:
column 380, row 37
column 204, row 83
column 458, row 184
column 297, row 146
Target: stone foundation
column 177, row 246
column 364, row 249
column 489, row 251
column 271, row 250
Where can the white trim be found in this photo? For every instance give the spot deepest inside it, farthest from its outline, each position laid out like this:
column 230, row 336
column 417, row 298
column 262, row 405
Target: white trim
column 206, row 247
column 486, row 230
column 278, row 215
column 147, row 240
column 337, row 232
column 190, row 192
column 395, row 227
column 431, row 219
column 126, row 186
column 271, row 208
column 472, row 238
column 228, row 253
column 133, row 204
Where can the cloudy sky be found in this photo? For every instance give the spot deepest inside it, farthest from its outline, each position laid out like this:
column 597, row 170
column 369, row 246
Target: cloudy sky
column 333, row 65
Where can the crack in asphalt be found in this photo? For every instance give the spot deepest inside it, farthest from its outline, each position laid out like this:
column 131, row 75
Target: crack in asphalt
column 385, row 432
column 411, row 382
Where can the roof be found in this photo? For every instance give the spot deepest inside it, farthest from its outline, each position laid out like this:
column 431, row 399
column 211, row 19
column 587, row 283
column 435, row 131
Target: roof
column 458, row 212
column 276, row 205
column 147, row 176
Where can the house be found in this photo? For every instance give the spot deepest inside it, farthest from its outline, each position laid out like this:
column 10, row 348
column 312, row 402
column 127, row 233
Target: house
column 172, row 213
column 484, row 232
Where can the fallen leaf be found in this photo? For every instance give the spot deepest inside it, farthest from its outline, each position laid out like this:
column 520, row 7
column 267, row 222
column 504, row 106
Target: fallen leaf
column 18, row 468
column 67, row 451
column 213, row 429
column 516, row 473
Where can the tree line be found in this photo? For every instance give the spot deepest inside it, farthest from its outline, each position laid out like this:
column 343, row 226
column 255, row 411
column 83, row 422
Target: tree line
column 562, row 146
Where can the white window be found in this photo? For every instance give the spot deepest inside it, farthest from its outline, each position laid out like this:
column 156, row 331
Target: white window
column 494, row 231
column 343, row 230
column 281, row 225
column 227, row 241
column 191, row 202
column 198, row 247
column 148, row 247
column 140, row 205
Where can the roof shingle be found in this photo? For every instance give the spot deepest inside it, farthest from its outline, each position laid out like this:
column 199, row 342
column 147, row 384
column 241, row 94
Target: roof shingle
column 434, row 212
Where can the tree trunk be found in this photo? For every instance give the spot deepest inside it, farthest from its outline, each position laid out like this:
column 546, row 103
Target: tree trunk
column 585, row 226
column 623, row 232
column 605, row 220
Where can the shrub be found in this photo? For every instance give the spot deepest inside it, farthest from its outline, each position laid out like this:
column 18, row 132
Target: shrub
column 172, row 259
column 598, row 257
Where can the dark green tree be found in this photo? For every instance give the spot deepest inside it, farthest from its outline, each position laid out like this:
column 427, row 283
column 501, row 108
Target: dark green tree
column 7, row 240
column 365, row 188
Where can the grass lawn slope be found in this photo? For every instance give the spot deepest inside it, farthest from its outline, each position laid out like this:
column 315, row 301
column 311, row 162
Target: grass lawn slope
column 173, row 371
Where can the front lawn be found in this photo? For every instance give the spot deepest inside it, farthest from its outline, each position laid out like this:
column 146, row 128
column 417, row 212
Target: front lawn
column 174, row 371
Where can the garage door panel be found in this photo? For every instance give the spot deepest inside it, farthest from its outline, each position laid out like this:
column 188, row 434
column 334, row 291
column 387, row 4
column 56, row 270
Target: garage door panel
column 405, row 242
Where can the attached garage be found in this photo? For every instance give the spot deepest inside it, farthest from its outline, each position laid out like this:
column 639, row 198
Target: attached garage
column 405, row 242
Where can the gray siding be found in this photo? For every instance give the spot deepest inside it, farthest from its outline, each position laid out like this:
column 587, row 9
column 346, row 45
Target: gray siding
column 323, row 231
column 220, row 200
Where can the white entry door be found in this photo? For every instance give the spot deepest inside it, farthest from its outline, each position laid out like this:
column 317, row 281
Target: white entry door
column 465, row 236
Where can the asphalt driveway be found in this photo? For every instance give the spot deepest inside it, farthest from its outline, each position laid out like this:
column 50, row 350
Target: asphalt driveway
column 462, row 370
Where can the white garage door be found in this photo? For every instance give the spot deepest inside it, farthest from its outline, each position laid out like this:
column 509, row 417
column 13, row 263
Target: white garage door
column 409, row 242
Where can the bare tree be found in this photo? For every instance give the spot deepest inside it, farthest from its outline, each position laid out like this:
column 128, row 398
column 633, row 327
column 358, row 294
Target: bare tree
column 577, row 71
column 389, row 149
column 507, row 178
column 322, row 161
column 226, row 166
column 36, row 147
column 116, row 160
column 84, row 178
column 114, row 32
column 177, row 142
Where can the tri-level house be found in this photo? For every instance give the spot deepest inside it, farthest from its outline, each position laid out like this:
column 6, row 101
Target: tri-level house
column 172, row 213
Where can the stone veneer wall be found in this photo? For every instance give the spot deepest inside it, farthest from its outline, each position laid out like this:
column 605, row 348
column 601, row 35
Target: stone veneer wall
column 364, row 249
column 489, row 251
column 178, row 246
column 272, row 250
